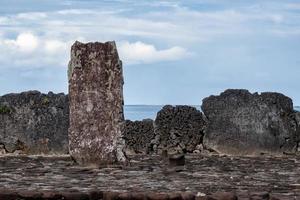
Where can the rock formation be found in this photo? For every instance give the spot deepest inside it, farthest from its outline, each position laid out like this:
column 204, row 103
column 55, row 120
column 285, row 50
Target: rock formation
column 178, row 129
column 34, row 123
column 96, row 104
column 138, row 136
column 297, row 114
column 245, row 123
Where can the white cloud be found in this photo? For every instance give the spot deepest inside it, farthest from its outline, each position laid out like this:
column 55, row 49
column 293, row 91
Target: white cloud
column 32, row 15
column 25, row 42
column 55, row 46
column 74, row 12
column 31, row 50
column 175, row 27
column 139, row 52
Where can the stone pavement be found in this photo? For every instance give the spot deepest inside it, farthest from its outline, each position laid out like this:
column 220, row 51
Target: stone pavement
column 148, row 177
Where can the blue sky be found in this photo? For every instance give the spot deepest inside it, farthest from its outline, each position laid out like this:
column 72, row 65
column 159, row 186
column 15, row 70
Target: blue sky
column 173, row 52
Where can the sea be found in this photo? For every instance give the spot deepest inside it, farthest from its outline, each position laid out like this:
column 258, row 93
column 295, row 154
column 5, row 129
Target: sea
column 140, row 112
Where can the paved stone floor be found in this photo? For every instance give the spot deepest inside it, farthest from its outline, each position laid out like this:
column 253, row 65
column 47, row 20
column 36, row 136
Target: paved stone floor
column 279, row 176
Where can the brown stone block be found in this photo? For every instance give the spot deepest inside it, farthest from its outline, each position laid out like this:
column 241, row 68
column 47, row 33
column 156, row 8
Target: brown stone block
column 125, row 196
column 188, row 196
column 95, row 195
column 222, row 196
column 49, row 195
column 96, row 104
column 157, row 196
column 30, row 195
column 175, row 196
column 260, row 196
column 74, row 196
column 138, row 196
column 8, row 195
column 111, row 196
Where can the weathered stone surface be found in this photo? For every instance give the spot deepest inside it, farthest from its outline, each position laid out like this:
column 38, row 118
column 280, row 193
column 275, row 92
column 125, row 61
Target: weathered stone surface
column 176, row 160
column 34, row 123
column 219, row 196
column 297, row 114
column 260, row 196
column 178, row 129
column 96, row 103
column 245, row 123
column 203, row 176
column 138, row 136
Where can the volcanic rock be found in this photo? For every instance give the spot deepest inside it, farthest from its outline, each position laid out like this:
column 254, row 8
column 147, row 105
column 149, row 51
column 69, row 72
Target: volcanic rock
column 178, row 129
column 138, row 136
column 219, row 196
column 176, row 160
column 34, row 123
column 250, row 124
column 297, row 115
column 96, row 104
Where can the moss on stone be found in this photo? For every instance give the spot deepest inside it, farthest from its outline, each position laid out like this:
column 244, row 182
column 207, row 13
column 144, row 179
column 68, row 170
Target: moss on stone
column 4, row 109
column 45, row 101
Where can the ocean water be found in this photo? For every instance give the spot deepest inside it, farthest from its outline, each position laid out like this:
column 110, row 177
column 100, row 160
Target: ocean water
column 139, row 112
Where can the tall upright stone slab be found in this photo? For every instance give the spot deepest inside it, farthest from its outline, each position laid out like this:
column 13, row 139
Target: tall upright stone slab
column 96, row 104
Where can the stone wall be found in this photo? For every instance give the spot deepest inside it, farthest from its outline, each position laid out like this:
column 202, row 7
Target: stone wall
column 34, row 123
column 178, row 129
column 297, row 115
column 243, row 123
column 237, row 121
column 138, row 136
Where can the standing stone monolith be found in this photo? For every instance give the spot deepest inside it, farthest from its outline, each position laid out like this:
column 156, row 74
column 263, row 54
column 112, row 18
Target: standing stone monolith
column 96, row 104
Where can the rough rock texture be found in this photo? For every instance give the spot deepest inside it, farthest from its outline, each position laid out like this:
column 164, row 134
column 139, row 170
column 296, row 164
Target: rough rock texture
column 297, row 114
column 138, row 136
column 149, row 178
column 178, row 129
column 96, row 104
column 34, row 123
column 245, row 123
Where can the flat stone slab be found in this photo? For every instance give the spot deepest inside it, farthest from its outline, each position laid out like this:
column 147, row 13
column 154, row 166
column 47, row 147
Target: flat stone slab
column 148, row 177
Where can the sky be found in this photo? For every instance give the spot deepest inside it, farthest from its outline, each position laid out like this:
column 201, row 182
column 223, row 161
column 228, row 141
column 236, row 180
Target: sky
column 173, row 52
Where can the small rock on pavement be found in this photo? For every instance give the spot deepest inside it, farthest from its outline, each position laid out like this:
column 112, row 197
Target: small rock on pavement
column 219, row 196
column 260, row 196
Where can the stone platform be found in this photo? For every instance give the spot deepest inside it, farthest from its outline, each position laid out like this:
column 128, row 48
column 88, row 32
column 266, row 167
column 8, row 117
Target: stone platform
column 148, row 177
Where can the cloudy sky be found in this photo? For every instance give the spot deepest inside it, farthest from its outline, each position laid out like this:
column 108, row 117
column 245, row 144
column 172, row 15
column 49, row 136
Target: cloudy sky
column 175, row 52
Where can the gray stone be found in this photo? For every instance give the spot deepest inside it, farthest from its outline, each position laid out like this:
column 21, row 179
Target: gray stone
column 202, row 176
column 178, row 129
column 96, row 104
column 244, row 123
column 297, row 114
column 138, row 136
column 34, row 123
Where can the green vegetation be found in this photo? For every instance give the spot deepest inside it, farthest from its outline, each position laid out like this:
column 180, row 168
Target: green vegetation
column 45, row 101
column 4, row 109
